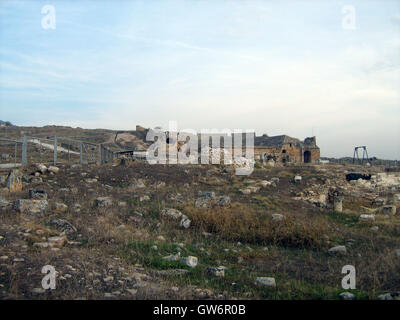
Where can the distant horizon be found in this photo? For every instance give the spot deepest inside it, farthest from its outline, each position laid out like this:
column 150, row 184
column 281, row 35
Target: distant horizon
column 350, row 155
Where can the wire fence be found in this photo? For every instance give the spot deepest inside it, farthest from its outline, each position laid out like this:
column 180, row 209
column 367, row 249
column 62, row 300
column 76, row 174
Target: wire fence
column 10, row 153
column 51, row 150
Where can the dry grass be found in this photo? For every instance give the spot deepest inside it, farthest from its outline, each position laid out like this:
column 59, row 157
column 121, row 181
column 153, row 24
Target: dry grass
column 241, row 223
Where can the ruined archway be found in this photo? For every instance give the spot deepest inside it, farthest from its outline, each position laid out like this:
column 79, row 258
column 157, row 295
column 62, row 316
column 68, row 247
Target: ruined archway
column 307, row 157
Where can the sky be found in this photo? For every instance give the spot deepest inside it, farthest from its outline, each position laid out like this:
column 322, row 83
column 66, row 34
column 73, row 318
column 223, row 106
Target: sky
column 299, row 68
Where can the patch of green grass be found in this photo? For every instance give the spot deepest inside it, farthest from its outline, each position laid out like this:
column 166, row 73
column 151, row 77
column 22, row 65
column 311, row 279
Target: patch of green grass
column 343, row 219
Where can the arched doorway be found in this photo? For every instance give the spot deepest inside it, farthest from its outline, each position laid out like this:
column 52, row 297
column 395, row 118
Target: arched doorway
column 307, row 157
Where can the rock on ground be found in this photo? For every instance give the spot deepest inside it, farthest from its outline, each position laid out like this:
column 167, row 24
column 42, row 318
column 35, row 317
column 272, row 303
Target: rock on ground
column 346, row 296
column 338, row 250
column 216, row 271
column 266, row 281
column 171, row 213
column 367, row 217
column 63, row 225
column 30, row 206
column 103, row 202
column 190, row 261
column 14, row 181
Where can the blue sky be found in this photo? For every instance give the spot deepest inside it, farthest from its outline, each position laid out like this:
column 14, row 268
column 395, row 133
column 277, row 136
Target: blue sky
column 278, row 67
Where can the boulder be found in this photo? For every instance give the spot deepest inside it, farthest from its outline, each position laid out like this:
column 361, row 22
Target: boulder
column 277, row 217
column 173, row 257
column 338, row 250
column 216, row 271
column 297, row 179
column 103, row 202
column 171, row 213
column 185, row 222
column 253, row 189
column 57, row 241
column 367, row 218
column 37, row 194
column 378, row 201
column 60, row 207
column 245, row 191
column 144, row 198
column 346, row 296
column 30, row 206
column 53, row 169
column 41, row 168
column 204, row 199
column 63, row 225
column 265, row 282
column 207, row 194
column 224, row 201
column 35, row 180
column 190, row 261
column 390, row 296
column 389, row 210
column 3, row 203
column 14, row 181
column 338, row 204
column 265, row 183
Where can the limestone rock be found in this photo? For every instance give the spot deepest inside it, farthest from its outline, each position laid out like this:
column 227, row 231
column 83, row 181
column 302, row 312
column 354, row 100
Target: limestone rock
column 63, row 225
column 185, row 222
column 53, row 169
column 30, row 206
column 277, row 217
column 367, row 218
column 389, row 210
column 60, row 207
column 4, row 203
column 41, row 168
column 346, row 296
column 390, row 296
column 265, row 282
column 190, row 261
column 14, row 181
column 37, row 194
column 171, row 213
column 103, row 202
column 217, row 271
column 338, row 250
column 297, row 179
column 173, row 257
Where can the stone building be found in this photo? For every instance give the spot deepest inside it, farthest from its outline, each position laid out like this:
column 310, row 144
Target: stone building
column 285, row 149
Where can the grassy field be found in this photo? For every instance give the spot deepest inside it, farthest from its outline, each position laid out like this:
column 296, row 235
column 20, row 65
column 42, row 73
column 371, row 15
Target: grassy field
column 123, row 240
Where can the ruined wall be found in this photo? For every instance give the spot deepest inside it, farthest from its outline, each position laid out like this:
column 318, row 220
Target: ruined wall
column 289, row 153
column 315, row 154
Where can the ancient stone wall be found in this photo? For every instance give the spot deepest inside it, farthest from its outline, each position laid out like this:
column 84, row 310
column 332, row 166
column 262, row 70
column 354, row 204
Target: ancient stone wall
column 289, row 153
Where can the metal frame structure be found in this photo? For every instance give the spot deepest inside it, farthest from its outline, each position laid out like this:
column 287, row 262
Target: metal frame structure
column 365, row 153
column 84, row 153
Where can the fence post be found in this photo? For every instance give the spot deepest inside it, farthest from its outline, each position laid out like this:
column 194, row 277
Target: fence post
column 100, row 155
column 55, row 150
column 24, row 145
column 81, row 153
column 15, row 154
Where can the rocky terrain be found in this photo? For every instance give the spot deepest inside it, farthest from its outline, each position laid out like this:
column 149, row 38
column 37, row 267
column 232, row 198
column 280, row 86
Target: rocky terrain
column 130, row 230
